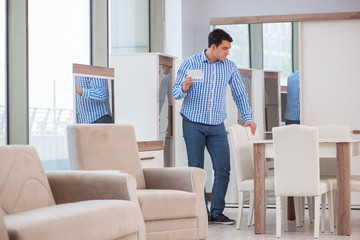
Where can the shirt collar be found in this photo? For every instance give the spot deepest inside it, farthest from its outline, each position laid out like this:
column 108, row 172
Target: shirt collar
column 204, row 58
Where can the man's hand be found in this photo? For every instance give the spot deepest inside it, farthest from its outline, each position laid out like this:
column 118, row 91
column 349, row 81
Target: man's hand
column 79, row 90
column 252, row 126
column 186, row 83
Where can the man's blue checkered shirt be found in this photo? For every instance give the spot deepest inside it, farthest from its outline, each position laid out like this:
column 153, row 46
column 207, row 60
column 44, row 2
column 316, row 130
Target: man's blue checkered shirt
column 205, row 102
column 94, row 103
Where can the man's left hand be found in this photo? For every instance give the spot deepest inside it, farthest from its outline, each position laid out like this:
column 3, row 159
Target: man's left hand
column 252, row 126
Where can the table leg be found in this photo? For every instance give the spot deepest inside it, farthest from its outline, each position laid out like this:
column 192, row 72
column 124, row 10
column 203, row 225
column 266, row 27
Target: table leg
column 291, row 208
column 259, row 187
column 343, row 188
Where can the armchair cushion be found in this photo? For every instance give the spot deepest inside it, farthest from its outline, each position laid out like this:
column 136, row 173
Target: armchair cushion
column 95, row 219
column 167, row 204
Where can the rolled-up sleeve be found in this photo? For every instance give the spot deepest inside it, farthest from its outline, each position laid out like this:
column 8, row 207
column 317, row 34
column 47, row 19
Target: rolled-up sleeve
column 240, row 95
column 181, row 74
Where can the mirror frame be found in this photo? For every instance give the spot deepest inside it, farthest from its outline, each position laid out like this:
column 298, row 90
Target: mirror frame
column 285, row 18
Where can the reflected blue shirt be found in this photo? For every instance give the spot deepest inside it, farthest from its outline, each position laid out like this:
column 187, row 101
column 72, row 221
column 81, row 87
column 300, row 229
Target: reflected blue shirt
column 293, row 97
column 205, row 101
column 94, row 103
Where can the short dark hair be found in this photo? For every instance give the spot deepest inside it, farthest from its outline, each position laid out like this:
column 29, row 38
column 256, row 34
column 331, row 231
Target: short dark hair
column 217, row 36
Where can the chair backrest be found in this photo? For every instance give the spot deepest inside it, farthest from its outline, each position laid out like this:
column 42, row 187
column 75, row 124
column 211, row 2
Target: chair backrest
column 328, row 165
column 241, row 152
column 296, row 161
column 23, row 182
column 105, row 147
column 255, row 136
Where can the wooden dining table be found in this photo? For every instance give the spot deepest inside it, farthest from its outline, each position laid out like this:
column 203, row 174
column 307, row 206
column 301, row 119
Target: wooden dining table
column 341, row 149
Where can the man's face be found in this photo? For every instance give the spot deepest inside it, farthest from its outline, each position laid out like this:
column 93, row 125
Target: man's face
column 222, row 50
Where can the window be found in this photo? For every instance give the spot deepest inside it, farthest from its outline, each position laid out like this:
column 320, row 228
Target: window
column 277, row 44
column 3, row 112
column 240, row 47
column 59, row 35
column 129, row 26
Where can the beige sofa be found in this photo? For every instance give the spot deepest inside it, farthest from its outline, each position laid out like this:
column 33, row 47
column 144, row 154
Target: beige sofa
column 171, row 199
column 70, row 205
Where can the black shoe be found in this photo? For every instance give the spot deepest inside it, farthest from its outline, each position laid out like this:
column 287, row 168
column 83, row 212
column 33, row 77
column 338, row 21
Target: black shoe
column 209, row 220
column 222, row 219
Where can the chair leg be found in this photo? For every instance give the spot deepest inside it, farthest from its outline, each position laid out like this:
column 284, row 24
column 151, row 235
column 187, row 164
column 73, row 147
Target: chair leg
column 317, row 216
column 323, row 208
column 240, row 210
column 335, row 207
column 331, row 210
column 279, row 211
column 284, row 204
column 297, row 204
column 251, row 210
column 266, row 201
column 302, row 201
column 310, row 209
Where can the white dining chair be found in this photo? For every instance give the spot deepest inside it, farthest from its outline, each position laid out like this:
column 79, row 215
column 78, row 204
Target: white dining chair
column 297, row 173
column 242, row 153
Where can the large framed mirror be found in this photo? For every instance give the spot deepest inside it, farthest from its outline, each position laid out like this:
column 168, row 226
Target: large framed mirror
column 311, row 31
column 93, row 94
column 328, row 46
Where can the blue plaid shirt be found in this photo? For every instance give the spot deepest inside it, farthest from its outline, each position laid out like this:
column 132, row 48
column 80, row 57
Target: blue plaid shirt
column 293, row 97
column 94, row 103
column 205, row 102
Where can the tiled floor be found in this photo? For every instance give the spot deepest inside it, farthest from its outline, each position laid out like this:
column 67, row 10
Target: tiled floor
column 229, row 232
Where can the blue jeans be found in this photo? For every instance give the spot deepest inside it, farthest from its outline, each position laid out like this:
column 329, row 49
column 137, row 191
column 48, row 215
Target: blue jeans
column 198, row 136
column 289, row 122
column 105, row 119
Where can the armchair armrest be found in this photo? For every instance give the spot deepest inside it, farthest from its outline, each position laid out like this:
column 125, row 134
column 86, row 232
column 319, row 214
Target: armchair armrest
column 74, row 186
column 189, row 179
column 176, row 178
column 3, row 232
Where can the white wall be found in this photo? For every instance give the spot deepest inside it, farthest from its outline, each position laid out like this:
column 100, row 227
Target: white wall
column 196, row 14
column 172, row 28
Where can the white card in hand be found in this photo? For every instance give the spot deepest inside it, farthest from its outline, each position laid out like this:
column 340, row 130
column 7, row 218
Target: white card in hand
column 196, row 74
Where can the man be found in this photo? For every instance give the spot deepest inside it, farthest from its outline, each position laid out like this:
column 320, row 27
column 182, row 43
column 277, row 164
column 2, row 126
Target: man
column 92, row 100
column 204, row 112
column 292, row 114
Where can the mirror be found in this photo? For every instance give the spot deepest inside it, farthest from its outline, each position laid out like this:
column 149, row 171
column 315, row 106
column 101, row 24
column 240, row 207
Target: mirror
column 93, row 94
column 271, row 48
column 256, row 25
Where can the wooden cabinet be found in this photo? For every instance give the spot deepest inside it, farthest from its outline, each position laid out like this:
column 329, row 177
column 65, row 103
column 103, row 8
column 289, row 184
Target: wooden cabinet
column 142, row 96
column 151, row 154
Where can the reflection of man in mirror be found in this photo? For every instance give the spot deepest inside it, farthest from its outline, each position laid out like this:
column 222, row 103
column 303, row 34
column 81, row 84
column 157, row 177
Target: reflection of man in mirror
column 292, row 114
column 165, row 88
column 92, row 100
column 165, row 111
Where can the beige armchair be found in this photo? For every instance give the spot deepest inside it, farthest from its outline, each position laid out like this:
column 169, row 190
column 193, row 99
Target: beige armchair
column 69, row 205
column 171, row 199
